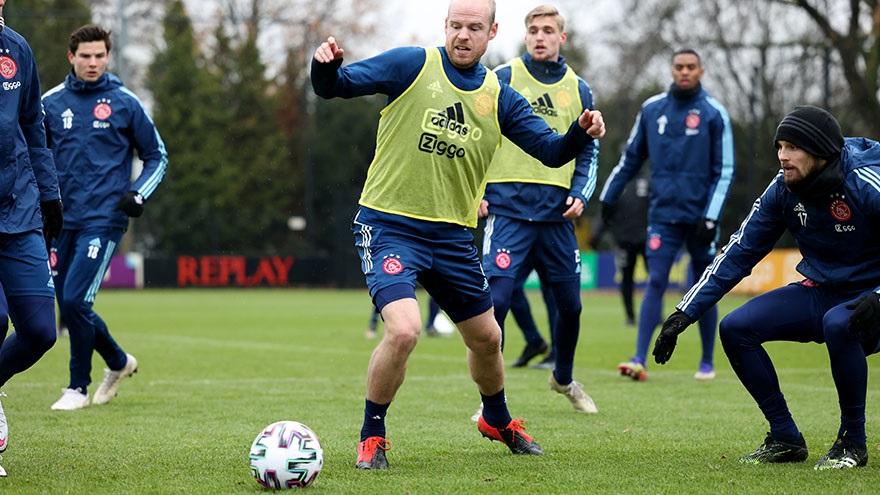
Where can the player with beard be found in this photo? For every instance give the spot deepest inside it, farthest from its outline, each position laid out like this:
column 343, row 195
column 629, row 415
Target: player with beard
column 827, row 196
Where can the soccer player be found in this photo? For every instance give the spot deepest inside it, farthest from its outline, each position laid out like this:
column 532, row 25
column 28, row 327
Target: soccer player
column 530, row 207
column 28, row 187
column 443, row 121
column 827, row 195
column 687, row 136
column 94, row 124
column 628, row 227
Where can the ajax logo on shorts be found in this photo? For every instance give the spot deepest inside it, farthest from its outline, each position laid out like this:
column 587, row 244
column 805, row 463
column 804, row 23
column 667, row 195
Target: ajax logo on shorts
column 502, row 259
column 392, row 264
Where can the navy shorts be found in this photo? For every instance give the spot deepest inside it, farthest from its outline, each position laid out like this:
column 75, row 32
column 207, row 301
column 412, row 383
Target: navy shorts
column 24, row 265
column 401, row 251
column 512, row 248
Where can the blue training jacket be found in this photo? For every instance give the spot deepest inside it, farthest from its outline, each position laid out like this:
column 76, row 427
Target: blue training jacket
column 27, row 172
column 690, row 144
column 542, row 202
column 93, row 128
column 838, row 236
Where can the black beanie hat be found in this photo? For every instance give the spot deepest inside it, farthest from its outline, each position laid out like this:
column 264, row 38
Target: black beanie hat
column 811, row 129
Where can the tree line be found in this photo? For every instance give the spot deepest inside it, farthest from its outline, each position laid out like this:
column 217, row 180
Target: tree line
column 250, row 146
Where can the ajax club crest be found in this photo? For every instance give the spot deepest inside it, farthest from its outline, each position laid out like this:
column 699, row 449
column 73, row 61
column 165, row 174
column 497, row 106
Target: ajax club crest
column 840, row 210
column 8, row 67
column 392, row 265
column 502, row 259
column 102, row 110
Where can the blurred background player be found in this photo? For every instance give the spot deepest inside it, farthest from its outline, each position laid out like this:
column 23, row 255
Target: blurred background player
column 535, row 343
column 530, row 207
column 687, row 136
column 629, row 230
column 31, row 209
column 92, row 110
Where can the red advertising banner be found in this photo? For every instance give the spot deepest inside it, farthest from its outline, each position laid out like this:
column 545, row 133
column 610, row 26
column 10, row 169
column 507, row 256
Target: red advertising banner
column 233, row 271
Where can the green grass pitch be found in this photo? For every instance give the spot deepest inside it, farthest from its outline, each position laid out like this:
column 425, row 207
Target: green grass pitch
column 218, row 365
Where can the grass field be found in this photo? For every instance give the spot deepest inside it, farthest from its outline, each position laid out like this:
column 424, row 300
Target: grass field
column 218, row 365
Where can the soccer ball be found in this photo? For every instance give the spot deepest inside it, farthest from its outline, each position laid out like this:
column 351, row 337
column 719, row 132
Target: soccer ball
column 286, row 454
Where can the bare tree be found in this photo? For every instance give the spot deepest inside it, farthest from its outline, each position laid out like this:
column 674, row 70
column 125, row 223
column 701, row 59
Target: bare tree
column 856, row 41
column 762, row 58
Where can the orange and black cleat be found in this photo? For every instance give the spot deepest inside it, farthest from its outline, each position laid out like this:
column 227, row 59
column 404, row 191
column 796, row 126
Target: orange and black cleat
column 371, row 453
column 513, row 435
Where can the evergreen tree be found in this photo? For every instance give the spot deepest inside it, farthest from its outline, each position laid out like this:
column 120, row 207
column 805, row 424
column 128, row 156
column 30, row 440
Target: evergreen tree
column 186, row 93
column 255, row 204
column 47, row 25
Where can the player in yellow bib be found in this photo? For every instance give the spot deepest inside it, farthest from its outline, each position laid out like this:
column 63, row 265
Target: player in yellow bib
column 442, row 124
column 530, row 207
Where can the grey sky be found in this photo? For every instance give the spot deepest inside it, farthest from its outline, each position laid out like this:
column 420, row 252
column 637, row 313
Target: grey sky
column 424, row 20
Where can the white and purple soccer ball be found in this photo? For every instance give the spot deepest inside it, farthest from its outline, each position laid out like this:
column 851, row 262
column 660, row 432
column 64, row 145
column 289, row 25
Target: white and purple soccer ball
column 286, row 454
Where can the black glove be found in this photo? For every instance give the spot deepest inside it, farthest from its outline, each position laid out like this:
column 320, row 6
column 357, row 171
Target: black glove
column 864, row 321
column 706, row 231
column 665, row 344
column 608, row 211
column 53, row 218
column 132, row 203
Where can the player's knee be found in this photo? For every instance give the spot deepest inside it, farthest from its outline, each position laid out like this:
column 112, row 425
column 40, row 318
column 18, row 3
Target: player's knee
column 835, row 325
column 403, row 339
column 484, row 342
column 502, row 291
column 488, row 346
column 733, row 329
column 657, row 283
column 570, row 308
column 67, row 307
column 42, row 339
column 35, row 323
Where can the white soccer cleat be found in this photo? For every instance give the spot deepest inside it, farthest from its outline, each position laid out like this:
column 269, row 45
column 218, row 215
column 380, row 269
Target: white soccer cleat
column 476, row 416
column 110, row 385
column 574, row 392
column 71, row 400
column 705, row 373
column 4, row 430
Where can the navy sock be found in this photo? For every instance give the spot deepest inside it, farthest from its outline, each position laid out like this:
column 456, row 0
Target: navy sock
column 857, row 436
column 495, row 410
column 789, row 434
column 374, row 420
